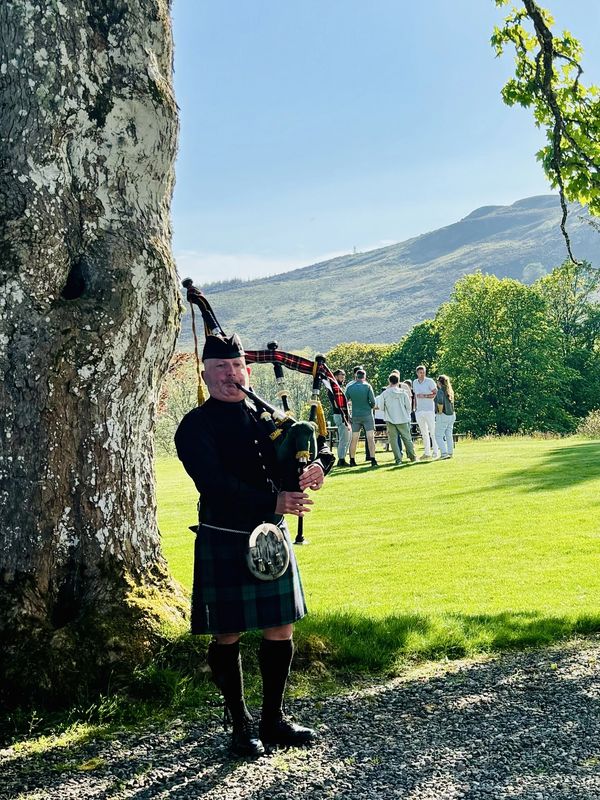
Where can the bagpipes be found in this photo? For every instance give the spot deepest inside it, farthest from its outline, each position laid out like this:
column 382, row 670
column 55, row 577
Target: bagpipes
column 296, row 442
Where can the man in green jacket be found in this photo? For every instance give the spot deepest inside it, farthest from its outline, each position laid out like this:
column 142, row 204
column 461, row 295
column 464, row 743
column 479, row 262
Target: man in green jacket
column 361, row 397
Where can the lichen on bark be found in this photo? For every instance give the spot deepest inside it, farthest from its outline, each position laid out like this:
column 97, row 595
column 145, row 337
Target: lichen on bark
column 89, row 314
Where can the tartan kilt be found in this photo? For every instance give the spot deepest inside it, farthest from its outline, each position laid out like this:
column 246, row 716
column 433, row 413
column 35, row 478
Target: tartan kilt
column 227, row 598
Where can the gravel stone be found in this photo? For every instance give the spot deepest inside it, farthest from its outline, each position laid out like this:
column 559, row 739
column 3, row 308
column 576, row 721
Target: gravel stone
column 522, row 725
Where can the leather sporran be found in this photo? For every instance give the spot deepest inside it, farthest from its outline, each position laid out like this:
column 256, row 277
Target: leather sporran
column 268, row 554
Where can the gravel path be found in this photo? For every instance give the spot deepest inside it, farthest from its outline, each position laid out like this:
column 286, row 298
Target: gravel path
column 524, row 725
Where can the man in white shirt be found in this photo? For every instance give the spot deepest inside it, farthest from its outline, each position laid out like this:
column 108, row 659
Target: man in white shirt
column 396, row 406
column 425, row 390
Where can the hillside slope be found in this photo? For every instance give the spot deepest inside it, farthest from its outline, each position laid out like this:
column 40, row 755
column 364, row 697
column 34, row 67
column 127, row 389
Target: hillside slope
column 379, row 295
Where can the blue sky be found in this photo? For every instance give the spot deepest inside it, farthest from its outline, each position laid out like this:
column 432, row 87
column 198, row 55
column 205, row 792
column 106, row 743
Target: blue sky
column 311, row 127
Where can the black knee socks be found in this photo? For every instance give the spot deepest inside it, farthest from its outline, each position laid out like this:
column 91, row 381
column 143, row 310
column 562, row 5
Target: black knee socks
column 275, row 658
column 225, row 664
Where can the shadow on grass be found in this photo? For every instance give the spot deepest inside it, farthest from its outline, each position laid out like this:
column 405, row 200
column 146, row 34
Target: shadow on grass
column 331, row 650
column 355, row 644
column 559, row 468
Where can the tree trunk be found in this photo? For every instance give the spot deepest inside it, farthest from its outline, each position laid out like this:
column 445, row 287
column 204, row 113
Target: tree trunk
column 88, row 321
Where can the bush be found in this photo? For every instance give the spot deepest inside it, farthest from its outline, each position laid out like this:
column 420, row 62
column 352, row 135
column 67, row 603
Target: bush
column 178, row 395
column 348, row 355
column 590, row 426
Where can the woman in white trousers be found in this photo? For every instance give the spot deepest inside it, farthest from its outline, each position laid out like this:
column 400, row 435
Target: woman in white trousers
column 445, row 416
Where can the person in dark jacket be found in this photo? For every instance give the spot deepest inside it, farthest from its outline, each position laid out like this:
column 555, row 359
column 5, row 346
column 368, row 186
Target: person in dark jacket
column 232, row 461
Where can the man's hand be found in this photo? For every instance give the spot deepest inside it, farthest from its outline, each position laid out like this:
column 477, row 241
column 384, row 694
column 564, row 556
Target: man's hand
column 312, row 477
column 293, row 503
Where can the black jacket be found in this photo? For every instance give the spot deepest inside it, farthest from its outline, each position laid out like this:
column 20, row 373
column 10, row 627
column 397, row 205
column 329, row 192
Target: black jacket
column 228, row 454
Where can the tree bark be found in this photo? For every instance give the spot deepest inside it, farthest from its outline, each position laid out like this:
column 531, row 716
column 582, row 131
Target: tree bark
column 89, row 313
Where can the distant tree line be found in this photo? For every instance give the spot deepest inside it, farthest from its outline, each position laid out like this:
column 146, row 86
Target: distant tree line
column 522, row 358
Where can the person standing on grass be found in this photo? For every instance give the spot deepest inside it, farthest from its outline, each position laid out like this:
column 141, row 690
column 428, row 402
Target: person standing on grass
column 380, row 414
column 362, row 399
column 445, row 416
column 409, row 390
column 229, row 455
column 343, row 428
column 425, row 390
column 396, row 407
column 411, row 395
column 350, row 383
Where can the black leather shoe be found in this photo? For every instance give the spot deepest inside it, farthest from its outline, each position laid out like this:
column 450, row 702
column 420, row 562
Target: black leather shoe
column 352, row 462
column 243, row 741
column 342, row 462
column 285, row 733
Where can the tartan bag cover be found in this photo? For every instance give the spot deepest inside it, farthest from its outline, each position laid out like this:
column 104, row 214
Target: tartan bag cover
column 306, row 366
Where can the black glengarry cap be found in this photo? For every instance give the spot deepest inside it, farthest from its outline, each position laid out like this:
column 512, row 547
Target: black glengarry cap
column 223, row 347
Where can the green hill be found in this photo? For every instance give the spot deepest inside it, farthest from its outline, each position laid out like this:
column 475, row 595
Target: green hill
column 377, row 296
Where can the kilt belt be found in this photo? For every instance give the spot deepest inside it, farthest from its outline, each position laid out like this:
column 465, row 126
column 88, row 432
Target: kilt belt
column 228, row 530
column 227, row 598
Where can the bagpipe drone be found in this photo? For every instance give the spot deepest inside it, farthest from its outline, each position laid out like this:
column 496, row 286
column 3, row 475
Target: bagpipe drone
column 296, row 441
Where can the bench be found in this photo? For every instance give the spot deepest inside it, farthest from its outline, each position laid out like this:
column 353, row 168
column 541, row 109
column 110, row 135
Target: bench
column 381, row 434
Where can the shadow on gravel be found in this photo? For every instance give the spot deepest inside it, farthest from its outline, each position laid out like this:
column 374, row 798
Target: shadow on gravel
column 524, row 726
column 129, row 765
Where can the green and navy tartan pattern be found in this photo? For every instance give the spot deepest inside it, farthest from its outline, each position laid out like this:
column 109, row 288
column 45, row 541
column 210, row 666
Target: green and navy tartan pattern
column 227, row 598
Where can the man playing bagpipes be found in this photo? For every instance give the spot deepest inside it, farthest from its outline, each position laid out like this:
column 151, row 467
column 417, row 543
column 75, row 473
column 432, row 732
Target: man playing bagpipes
column 245, row 573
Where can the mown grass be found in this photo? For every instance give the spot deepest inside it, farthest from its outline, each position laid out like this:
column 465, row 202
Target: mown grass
column 496, row 548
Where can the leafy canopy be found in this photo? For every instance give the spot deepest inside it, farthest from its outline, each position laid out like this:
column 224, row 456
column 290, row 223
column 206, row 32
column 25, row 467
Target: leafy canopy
column 548, row 79
column 499, row 347
column 419, row 346
column 348, row 355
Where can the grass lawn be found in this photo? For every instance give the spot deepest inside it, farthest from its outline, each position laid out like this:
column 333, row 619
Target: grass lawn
column 497, row 547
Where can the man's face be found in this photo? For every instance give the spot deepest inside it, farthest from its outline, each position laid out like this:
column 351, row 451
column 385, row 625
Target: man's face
column 221, row 376
column 420, row 374
column 340, row 378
